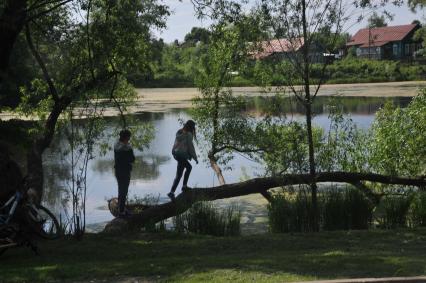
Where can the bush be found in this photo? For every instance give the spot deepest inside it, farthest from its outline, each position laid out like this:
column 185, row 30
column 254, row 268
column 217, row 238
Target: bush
column 345, row 208
column 360, row 210
column 339, row 210
column 418, row 210
column 205, row 218
column 334, row 211
column 290, row 213
column 393, row 211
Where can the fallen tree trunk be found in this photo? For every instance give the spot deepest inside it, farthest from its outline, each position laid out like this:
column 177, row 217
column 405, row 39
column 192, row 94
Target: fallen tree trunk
column 257, row 185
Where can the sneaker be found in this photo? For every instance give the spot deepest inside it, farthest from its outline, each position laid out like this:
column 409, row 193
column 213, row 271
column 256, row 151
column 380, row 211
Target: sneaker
column 171, row 196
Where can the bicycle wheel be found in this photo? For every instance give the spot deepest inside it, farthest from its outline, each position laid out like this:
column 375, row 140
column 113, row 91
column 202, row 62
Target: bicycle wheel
column 42, row 222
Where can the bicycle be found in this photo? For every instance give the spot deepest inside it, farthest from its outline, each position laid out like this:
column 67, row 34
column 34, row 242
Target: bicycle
column 21, row 219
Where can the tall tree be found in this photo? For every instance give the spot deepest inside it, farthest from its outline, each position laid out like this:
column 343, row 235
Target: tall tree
column 196, row 35
column 416, row 4
column 419, row 5
column 216, row 109
column 83, row 59
column 14, row 14
column 377, row 21
column 299, row 22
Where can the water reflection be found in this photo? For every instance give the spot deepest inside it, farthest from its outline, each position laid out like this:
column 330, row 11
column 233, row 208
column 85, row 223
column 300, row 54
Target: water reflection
column 154, row 170
column 348, row 105
column 146, row 167
column 55, row 177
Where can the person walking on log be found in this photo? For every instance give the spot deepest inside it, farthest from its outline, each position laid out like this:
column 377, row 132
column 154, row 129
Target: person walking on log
column 123, row 159
column 183, row 150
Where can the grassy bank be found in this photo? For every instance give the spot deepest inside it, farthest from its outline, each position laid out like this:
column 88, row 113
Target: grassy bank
column 190, row 258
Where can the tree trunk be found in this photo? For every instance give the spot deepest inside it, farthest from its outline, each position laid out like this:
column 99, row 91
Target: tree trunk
column 217, row 169
column 11, row 23
column 308, row 106
column 258, row 185
column 213, row 151
column 34, row 156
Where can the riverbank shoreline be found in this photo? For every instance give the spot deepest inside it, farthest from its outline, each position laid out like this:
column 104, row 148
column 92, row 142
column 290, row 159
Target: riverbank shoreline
column 164, row 99
column 386, row 89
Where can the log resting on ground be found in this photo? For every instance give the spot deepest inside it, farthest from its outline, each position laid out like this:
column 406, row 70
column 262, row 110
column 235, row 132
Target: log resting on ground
column 257, row 185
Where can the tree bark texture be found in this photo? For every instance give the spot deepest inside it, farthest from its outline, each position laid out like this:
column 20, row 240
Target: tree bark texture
column 216, row 168
column 308, row 106
column 257, row 185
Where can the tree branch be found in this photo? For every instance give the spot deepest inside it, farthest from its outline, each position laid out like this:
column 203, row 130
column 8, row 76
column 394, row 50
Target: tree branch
column 48, row 10
column 47, row 78
column 257, row 185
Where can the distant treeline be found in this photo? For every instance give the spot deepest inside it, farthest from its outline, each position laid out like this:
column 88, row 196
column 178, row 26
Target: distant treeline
column 176, row 65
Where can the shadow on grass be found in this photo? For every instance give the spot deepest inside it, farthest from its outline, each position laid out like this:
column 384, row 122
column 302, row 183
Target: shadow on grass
column 190, row 258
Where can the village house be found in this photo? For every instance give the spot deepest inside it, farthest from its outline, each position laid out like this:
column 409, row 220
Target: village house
column 391, row 43
column 286, row 49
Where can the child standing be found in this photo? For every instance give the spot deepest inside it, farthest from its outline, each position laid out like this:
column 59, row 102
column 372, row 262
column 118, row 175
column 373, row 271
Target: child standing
column 183, row 150
column 123, row 159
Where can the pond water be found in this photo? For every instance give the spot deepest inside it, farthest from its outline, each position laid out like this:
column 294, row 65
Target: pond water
column 154, row 169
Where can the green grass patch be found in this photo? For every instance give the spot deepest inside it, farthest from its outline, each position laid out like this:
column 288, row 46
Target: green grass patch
column 176, row 257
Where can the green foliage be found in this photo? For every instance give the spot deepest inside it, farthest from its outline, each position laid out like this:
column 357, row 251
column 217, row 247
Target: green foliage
column 376, row 21
column 217, row 111
column 290, row 213
column 276, row 71
column 22, row 69
column 418, row 210
column 177, row 66
column 205, row 218
column 420, row 35
column 340, row 209
column 402, row 210
column 289, row 152
column 83, row 60
column 91, row 60
column 393, row 211
column 171, row 257
column 355, row 70
column 416, row 4
column 398, row 142
column 343, row 147
column 197, row 35
column 345, row 208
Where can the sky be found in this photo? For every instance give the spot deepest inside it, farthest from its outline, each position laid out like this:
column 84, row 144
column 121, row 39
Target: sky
column 183, row 18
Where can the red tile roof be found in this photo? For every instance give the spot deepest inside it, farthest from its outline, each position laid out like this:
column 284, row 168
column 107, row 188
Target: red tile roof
column 374, row 44
column 282, row 45
column 380, row 36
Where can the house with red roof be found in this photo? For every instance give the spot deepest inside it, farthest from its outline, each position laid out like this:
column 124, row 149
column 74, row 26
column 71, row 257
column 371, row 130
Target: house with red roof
column 285, row 48
column 391, row 43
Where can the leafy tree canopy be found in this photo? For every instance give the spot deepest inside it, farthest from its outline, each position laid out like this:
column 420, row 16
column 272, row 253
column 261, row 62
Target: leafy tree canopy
column 196, row 35
column 377, row 21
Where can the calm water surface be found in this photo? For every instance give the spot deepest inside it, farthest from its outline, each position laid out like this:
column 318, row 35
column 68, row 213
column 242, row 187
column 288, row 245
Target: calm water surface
column 154, row 168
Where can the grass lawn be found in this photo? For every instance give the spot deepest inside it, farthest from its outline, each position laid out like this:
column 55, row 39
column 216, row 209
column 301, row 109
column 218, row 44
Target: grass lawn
column 191, row 258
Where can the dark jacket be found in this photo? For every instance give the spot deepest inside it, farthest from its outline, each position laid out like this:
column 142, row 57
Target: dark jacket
column 123, row 158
